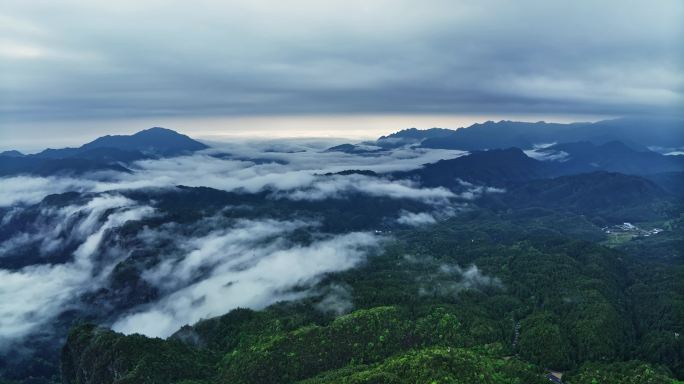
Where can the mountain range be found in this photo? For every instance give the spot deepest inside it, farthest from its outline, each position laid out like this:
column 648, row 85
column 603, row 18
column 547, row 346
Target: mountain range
column 636, row 133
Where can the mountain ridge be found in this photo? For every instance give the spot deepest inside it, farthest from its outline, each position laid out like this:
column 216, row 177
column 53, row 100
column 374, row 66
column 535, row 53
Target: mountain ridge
column 106, row 153
column 637, row 133
column 505, row 133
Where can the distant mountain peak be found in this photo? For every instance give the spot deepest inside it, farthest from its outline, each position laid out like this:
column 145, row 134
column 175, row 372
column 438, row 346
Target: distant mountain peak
column 155, row 140
column 12, row 153
column 104, row 153
column 157, row 130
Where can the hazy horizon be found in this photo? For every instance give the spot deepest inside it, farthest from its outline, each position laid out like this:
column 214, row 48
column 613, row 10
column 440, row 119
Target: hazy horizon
column 256, row 128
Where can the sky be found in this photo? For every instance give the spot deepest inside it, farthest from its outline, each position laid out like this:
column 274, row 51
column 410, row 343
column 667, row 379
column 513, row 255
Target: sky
column 73, row 70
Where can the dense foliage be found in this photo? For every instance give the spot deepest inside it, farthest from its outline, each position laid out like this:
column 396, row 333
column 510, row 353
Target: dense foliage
column 576, row 306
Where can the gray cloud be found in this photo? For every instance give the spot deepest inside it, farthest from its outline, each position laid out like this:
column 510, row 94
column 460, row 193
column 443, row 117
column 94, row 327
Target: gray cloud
column 66, row 60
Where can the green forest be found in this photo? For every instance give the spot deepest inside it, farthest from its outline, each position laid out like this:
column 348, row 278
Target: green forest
column 547, row 294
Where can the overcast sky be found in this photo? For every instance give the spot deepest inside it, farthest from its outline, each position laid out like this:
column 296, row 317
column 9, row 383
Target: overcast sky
column 71, row 70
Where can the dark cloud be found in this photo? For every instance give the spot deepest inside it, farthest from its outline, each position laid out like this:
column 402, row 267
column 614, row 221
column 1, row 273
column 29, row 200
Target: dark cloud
column 67, row 60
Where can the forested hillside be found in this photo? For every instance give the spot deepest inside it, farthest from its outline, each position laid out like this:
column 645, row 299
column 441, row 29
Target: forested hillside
column 539, row 299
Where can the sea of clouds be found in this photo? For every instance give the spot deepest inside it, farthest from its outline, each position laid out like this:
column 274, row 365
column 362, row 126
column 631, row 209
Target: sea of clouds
column 220, row 265
column 292, row 167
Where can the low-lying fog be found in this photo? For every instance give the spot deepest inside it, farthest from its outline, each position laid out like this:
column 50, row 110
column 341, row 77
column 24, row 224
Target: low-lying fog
column 215, row 266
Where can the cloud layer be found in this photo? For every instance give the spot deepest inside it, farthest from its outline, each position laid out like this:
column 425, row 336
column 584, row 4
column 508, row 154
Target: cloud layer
column 69, row 60
column 217, row 262
column 249, row 264
column 293, row 169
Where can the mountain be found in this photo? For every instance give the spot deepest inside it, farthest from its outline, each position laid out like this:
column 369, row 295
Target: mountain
column 347, row 172
column 106, row 153
column 613, row 156
column 556, row 302
column 502, row 134
column 153, row 141
column 497, row 167
column 395, row 140
column 636, row 132
column 31, row 165
column 578, row 186
column 672, row 182
column 411, row 136
column 417, row 134
column 359, row 149
column 57, row 153
column 614, row 196
column 109, row 154
column 12, row 153
column 503, row 167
